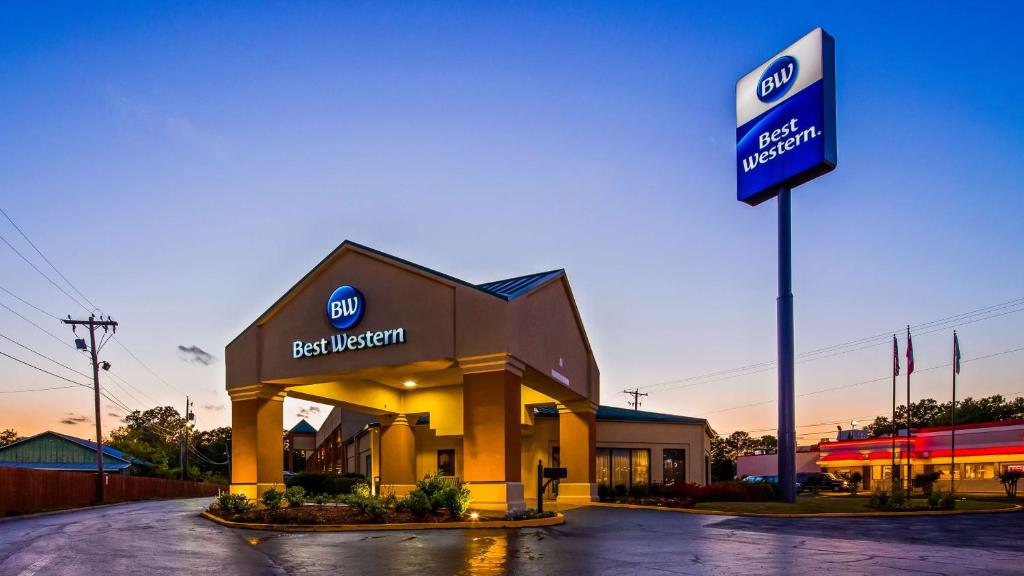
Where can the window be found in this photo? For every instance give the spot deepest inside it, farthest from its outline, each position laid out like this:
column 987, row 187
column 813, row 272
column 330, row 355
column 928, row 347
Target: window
column 368, row 472
column 623, row 466
column 673, row 466
column 979, row 471
column 446, row 462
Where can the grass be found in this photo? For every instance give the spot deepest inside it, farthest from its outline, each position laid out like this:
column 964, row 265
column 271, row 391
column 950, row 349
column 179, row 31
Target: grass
column 824, row 504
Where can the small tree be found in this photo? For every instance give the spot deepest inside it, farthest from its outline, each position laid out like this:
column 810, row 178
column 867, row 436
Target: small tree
column 272, row 498
column 1009, row 479
column 855, row 480
column 926, row 482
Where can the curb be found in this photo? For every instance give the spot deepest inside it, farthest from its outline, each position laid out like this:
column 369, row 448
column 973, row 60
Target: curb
column 534, row 523
column 1011, row 508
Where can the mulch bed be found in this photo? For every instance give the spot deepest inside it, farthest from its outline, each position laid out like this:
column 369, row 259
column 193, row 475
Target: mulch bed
column 308, row 515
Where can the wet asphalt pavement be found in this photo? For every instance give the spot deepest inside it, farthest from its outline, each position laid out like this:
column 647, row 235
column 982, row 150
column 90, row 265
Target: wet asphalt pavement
column 169, row 537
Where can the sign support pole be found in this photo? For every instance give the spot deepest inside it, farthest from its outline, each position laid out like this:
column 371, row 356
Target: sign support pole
column 787, row 403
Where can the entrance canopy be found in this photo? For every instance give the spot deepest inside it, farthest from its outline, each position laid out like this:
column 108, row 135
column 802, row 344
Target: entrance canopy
column 371, row 332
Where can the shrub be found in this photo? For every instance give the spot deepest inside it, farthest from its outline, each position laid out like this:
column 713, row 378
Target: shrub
column 233, row 503
column 1009, row 480
column 926, row 481
column 295, row 495
column 528, row 514
column 657, row 490
column 418, row 504
column 369, row 506
column 323, row 483
column 456, row 500
column 272, row 498
column 879, row 500
column 620, row 490
column 899, row 498
column 934, row 498
column 948, row 501
column 605, row 492
column 361, row 489
column 855, row 480
column 639, row 491
column 321, row 500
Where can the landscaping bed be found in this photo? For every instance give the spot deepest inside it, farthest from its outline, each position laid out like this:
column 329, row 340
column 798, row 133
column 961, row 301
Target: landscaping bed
column 435, row 500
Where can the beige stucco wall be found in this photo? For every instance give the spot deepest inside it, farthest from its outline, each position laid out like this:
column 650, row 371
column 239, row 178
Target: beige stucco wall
column 658, row 436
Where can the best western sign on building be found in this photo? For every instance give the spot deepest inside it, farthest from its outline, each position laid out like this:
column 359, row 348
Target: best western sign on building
column 345, row 309
column 785, row 119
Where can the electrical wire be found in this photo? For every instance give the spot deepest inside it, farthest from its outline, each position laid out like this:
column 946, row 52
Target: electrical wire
column 43, row 370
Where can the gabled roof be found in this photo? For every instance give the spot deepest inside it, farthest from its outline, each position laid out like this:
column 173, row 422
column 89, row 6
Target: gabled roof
column 505, row 289
column 513, row 287
column 89, row 444
column 303, row 427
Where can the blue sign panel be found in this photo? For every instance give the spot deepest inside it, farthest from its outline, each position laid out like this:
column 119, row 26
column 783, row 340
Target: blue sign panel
column 345, row 307
column 785, row 119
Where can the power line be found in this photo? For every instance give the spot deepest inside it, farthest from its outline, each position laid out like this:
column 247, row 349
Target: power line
column 27, row 303
column 45, row 259
column 752, row 369
column 861, row 383
column 41, row 273
column 43, row 370
column 144, row 365
column 41, row 355
column 35, row 389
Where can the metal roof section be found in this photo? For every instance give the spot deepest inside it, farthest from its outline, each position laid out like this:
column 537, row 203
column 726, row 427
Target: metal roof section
column 303, row 427
column 511, row 288
column 615, row 414
column 109, row 451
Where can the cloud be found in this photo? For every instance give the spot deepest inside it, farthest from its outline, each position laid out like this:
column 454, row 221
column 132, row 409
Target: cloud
column 113, row 415
column 167, row 124
column 195, row 355
column 71, row 419
column 213, row 407
column 307, row 412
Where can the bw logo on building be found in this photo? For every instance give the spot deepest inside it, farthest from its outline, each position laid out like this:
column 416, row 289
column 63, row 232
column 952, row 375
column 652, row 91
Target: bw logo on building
column 345, row 307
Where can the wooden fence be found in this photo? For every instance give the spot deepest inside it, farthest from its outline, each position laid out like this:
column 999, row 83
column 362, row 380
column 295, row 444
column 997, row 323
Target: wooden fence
column 24, row 491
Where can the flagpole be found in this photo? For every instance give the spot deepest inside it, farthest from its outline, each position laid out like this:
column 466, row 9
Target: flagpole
column 910, row 352
column 895, row 372
column 952, row 430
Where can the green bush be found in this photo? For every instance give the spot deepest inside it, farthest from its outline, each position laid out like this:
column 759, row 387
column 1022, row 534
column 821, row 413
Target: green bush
column 321, row 500
column 605, row 492
column 323, row 483
column 296, row 496
column 233, row 503
column 639, row 491
column 879, row 500
column 360, row 489
column 272, row 498
column 368, row 505
column 456, row 500
column 528, row 514
column 948, row 501
column 418, row 504
column 934, row 499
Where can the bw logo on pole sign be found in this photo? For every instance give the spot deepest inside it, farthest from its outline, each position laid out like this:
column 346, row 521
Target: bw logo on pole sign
column 345, row 307
column 786, row 119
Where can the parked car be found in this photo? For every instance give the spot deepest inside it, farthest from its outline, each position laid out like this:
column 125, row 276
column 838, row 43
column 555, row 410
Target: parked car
column 827, row 481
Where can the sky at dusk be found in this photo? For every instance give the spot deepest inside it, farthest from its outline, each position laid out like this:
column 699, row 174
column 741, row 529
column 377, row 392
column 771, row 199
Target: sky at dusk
column 184, row 166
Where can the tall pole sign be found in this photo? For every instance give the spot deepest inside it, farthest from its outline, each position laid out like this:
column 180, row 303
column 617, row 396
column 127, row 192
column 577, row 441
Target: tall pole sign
column 785, row 136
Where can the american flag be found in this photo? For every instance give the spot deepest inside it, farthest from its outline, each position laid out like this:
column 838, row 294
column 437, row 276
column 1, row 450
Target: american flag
column 956, row 353
column 895, row 356
column 910, row 353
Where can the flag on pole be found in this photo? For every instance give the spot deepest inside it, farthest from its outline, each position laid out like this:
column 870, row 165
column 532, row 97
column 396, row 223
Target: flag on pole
column 910, row 354
column 895, row 356
column 956, row 353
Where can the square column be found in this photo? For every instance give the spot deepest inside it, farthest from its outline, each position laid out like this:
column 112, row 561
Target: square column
column 257, row 440
column 397, row 455
column 492, row 441
column 577, row 440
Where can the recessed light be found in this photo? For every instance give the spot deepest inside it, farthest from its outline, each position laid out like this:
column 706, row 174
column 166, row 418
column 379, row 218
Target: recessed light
column 409, row 384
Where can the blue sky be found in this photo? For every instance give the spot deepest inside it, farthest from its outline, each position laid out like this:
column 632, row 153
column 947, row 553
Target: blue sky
column 183, row 165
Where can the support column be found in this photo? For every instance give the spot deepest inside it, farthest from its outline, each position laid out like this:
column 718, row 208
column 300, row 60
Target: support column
column 492, row 438
column 577, row 440
column 397, row 455
column 257, row 440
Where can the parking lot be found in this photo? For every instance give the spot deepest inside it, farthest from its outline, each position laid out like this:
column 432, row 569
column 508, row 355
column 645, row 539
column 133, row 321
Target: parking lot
column 168, row 537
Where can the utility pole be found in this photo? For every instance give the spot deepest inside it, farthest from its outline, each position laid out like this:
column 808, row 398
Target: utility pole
column 189, row 417
column 636, row 394
column 92, row 324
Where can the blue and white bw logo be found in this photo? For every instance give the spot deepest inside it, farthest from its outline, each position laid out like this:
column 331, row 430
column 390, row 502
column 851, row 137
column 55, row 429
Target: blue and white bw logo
column 345, row 307
column 777, row 79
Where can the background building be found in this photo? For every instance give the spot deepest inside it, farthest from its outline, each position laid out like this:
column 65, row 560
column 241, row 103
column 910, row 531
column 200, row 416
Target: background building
column 55, row 451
